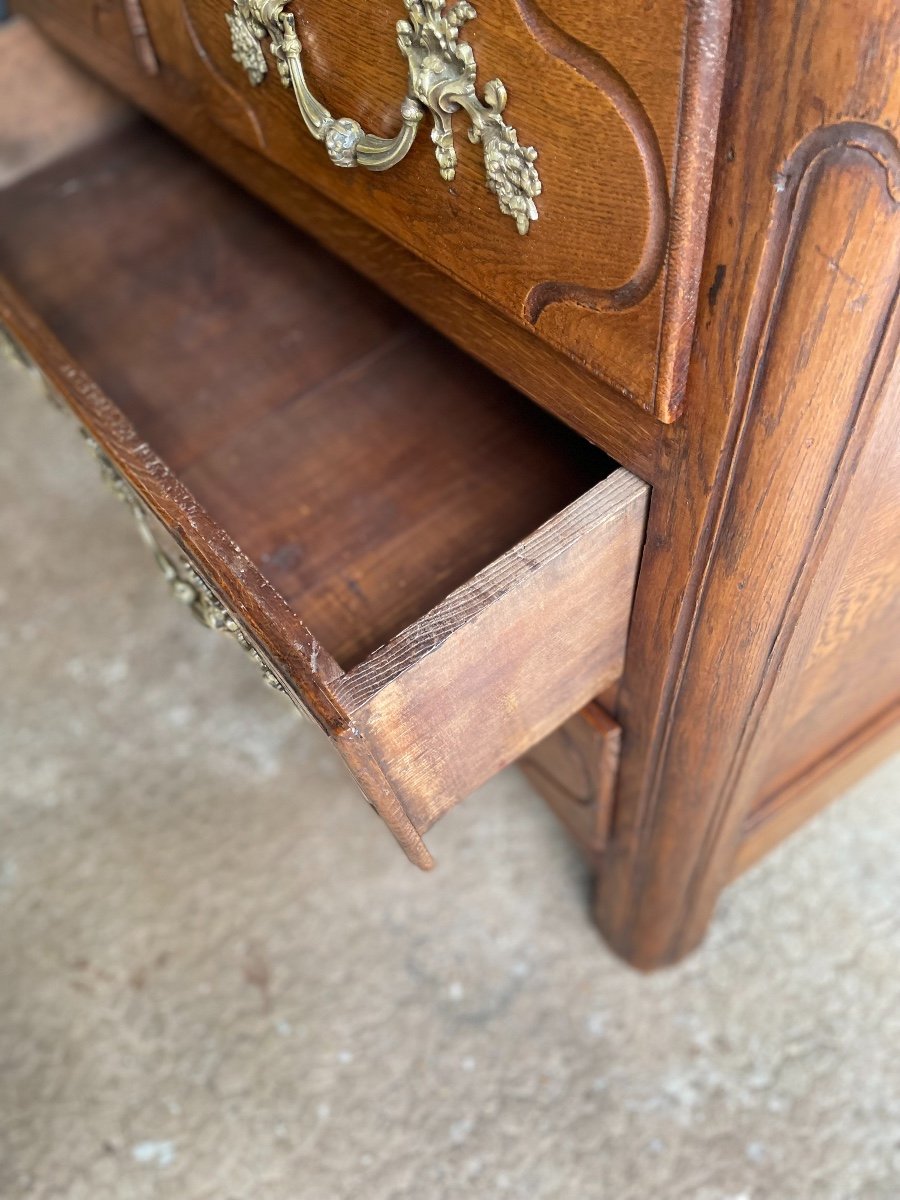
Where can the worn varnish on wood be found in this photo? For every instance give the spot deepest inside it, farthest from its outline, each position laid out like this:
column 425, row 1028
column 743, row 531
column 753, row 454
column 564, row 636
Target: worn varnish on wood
column 436, row 569
column 620, row 100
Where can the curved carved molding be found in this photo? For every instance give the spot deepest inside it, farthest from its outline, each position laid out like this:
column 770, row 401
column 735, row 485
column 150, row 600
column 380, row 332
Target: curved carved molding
column 794, row 186
column 219, row 79
column 140, row 35
column 876, row 141
column 595, row 69
column 135, row 23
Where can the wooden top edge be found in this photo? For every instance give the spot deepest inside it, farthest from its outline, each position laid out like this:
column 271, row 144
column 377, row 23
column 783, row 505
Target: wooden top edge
column 604, row 502
column 306, row 665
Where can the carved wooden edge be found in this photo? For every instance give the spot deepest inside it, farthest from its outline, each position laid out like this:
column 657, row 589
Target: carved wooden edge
column 266, row 615
column 598, row 71
column 305, row 669
column 140, row 35
column 713, row 852
column 673, row 244
column 708, row 28
column 788, row 211
column 882, row 148
column 575, row 770
column 782, row 812
column 787, row 223
column 236, row 95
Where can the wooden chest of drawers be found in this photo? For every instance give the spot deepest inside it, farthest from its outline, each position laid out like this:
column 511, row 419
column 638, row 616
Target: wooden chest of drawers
column 437, row 571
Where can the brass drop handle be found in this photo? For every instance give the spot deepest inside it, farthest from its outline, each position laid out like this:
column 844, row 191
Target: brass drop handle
column 185, row 582
column 442, row 74
column 348, row 145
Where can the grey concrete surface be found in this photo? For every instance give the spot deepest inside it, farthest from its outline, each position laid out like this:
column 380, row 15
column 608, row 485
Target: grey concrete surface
column 219, row 979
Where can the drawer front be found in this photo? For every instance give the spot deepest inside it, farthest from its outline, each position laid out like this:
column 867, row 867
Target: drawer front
column 594, row 246
column 575, row 769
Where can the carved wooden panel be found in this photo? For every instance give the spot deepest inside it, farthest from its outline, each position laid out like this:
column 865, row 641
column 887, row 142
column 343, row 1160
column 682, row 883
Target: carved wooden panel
column 815, row 393
column 847, row 644
column 575, row 771
column 607, row 275
column 795, row 339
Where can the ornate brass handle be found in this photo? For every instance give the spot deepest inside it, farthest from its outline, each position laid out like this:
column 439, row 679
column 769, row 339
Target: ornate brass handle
column 185, row 582
column 442, row 73
column 344, row 139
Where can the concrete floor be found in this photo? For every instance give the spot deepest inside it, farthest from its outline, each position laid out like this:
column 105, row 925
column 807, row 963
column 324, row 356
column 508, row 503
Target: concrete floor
column 220, row 980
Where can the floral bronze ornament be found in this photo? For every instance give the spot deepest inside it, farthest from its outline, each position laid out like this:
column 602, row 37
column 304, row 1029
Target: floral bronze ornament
column 442, row 73
column 185, row 582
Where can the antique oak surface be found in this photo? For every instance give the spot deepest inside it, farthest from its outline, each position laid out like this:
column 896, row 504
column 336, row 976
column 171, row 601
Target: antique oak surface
column 399, row 554
column 762, row 667
column 625, row 134
column 612, row 131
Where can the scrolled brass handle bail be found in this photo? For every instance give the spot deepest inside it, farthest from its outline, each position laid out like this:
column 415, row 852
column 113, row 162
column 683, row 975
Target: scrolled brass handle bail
column 442, row 73
column 347, row 144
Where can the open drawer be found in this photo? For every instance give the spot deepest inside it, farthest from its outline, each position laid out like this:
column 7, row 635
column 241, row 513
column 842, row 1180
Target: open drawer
column 433, row 568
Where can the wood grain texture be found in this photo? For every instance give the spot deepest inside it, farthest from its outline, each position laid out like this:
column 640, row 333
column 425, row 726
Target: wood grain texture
column 269, row 412
column 575, row 769
column 635, row 439
column 846, row 762
column 140, row 35
column 576, row 106
column 760, row 655
column 608, row 275
column 120, row 23
column 325, row 407
column 795, row 364
column 848, row 671
column 531, row 639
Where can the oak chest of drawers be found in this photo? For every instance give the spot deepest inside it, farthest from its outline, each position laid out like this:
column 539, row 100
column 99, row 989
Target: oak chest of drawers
column 665, row 577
